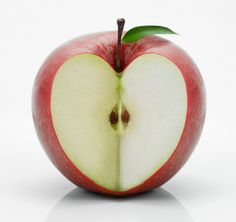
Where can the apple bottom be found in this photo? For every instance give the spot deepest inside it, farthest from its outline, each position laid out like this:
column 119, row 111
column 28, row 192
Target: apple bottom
column 115, row 135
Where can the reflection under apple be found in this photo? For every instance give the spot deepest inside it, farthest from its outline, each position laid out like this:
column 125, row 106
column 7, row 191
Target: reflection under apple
column 80, row 205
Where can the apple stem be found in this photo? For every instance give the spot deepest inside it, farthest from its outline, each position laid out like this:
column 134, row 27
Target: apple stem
column 120, row 24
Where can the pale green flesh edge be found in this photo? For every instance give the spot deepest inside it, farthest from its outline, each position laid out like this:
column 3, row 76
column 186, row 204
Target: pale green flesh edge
column 119, row 90
column 108, row 71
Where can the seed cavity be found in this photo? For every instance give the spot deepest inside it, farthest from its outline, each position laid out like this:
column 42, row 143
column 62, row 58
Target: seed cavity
column 119, row 118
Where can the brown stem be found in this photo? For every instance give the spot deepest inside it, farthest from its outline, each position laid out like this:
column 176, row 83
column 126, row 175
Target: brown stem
column 120, row 24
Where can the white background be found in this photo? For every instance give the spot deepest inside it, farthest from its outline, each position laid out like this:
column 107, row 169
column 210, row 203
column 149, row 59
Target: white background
column 31, row 189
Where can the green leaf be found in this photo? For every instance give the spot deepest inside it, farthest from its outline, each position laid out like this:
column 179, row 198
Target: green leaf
column 139, row 32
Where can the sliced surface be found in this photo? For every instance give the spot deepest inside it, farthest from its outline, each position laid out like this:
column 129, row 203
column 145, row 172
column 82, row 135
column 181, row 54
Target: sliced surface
column 85, row 91
column 83, row 95
column 154, row 93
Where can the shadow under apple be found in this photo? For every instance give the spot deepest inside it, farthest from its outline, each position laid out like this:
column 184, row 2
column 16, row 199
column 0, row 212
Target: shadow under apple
column 80, row 205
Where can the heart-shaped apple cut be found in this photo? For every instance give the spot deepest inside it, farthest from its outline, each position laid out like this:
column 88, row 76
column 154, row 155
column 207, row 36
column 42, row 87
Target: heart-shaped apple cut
column 118, row 133
column 120, row 155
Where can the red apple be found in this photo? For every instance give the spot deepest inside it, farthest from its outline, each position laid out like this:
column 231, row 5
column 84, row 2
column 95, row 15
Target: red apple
column 118, row 133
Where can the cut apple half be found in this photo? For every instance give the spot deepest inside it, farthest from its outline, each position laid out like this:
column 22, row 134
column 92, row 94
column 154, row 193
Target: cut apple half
column 118, row 131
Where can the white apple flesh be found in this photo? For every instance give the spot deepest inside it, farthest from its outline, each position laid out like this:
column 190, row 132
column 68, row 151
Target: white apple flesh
column 124, row 156
column 86, row 90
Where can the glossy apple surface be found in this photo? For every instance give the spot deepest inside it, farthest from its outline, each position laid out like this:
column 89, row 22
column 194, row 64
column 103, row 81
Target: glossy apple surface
column 62, row 102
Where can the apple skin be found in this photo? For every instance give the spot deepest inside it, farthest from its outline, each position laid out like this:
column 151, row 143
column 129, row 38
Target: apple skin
column 104, row 45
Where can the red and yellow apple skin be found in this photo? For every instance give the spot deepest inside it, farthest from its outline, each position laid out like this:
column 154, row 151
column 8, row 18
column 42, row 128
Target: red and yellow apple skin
column 104, row 45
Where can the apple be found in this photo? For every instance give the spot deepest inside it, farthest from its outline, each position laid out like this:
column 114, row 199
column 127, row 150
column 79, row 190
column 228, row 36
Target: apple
column 118, row 118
